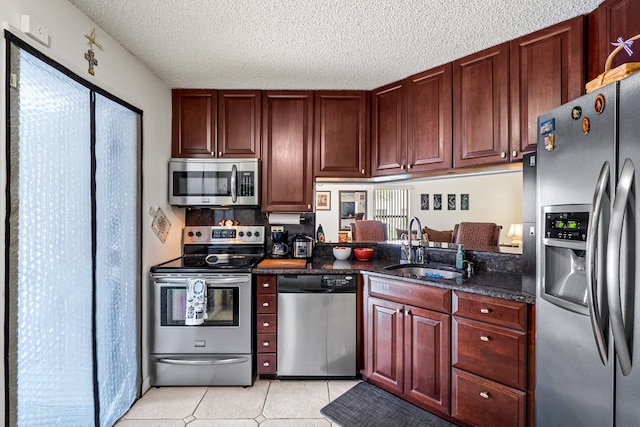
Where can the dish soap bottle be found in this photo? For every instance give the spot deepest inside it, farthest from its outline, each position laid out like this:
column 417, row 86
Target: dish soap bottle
column 460, row 258
column 320, row 233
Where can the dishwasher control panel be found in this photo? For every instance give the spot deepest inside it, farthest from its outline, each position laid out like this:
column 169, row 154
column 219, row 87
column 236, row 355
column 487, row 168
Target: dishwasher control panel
column 334, row 281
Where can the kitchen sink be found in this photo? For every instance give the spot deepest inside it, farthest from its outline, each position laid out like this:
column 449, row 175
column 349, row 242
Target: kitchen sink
column 424, row 271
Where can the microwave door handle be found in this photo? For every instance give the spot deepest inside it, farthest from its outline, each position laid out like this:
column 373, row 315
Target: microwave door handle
column 592, row 239
column 614, row 248
column 234, row 183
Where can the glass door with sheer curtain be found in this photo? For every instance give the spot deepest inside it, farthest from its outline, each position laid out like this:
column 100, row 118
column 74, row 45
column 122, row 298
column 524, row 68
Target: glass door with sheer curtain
column 73, row 247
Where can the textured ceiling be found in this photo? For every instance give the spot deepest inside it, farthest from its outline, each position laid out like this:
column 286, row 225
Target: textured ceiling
column 313, row 44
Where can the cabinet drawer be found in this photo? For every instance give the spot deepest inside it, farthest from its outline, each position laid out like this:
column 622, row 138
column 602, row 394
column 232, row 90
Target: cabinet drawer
column 266, row 284
column 267, row 323
column 411, row 293
column 481, row 402
column 267, row 363
column 509, row 314
column 491, row 351
column 267, row 304
column 267, row 343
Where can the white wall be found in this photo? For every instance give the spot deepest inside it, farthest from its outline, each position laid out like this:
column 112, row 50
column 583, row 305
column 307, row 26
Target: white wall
column 495, row 197
column 119, row 73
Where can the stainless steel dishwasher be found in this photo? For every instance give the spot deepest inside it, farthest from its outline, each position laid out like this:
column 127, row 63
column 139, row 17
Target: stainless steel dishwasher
column 316, row 326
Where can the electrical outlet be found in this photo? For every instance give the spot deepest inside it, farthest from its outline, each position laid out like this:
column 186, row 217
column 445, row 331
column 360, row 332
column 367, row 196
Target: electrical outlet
column 34, row 29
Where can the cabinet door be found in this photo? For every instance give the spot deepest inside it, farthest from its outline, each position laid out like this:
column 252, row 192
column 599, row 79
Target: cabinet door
column 287, row 176
column 547, row 70
column 239, row 123
column 341, row 127
column 481, row 108
column 429, row 98
column 427, row 357
column 384, row 362
column 388, row 139
column 616, row 18
column 193, row 123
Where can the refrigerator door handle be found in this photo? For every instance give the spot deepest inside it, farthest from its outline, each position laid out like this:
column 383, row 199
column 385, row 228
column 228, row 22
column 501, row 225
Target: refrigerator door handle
column 592, row 239
column 614, row 247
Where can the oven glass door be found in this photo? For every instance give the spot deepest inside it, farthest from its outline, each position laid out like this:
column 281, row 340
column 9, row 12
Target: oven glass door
column 202, row 183
column 222, row 305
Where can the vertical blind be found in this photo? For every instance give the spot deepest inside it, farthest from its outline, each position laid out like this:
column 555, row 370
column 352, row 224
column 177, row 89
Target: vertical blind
column 73, row 247
column 391, row 206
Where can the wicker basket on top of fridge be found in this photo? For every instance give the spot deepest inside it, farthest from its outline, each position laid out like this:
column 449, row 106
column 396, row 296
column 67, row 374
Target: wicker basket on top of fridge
column 618, row 73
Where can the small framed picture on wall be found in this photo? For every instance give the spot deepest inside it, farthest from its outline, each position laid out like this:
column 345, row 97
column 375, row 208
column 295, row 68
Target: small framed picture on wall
column 323, row 200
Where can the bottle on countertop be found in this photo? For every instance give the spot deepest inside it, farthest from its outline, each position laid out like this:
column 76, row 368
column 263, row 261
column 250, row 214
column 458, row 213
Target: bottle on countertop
column 460, row 257
column 320, row 234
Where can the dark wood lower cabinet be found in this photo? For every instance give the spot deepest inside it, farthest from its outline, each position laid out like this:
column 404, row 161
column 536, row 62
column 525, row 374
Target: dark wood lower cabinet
column 467, row 358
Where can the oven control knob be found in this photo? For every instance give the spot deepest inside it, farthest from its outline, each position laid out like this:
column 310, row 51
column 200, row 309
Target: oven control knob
column 241, row 233
column 198, row 234
column 190, row 234
column 248, row 234
column 257, row 233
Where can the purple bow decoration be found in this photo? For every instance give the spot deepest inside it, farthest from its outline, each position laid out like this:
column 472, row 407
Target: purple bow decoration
column 626, row 45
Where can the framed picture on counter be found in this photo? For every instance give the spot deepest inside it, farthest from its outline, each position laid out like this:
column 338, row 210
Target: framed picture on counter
column 323, row 200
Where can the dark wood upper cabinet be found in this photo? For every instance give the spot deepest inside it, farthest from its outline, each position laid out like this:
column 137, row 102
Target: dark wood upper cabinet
column 341, row 134
column 193, row 123
column 616, row 18
column 287, row 173
column 239, row 123
column 547, row 70
column 429, row 119
column 481, row 108
column 388, row 138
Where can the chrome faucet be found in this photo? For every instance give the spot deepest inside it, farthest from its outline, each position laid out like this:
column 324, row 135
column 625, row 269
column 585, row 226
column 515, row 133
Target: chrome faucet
column 409, row 238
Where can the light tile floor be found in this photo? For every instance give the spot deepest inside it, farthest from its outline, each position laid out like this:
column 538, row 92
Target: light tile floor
column 267, row 403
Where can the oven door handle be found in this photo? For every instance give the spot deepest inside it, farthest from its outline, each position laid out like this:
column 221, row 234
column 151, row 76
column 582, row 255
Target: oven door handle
column 209, row 281
column 203, row 362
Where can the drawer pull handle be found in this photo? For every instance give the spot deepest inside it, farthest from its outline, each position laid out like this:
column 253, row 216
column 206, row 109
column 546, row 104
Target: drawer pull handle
column 484, row 338
column 484, row 310
column 266, row 364
column 265, row 344
column 265, row 324
column 265, row 304
column 484, row 394
column 266, row 285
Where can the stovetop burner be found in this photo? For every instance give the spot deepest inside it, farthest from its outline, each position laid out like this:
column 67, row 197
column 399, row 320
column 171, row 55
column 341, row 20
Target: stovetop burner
column 207, row 249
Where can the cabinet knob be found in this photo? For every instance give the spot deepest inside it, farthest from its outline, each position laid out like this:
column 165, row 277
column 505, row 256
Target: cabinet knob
column 265, row 344
column 408, row 312
column 514, row 153
column 265, row 324
column 399, row 311
column 484, row 394
column 266, row 285
column 309, row 207
column 402, row 167
column 503, row 155
column 484, row 310
column 266, row 363
column 219, row 153
column 265, row 304
column 213, row 153
column 362, row 171
column 408, row 166
column 484, row 338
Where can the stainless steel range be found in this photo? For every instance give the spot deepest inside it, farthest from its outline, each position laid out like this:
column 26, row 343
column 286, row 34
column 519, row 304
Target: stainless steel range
column 201, row 312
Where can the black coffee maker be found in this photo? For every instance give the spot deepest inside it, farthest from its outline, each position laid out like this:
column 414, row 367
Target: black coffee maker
column 280, row 249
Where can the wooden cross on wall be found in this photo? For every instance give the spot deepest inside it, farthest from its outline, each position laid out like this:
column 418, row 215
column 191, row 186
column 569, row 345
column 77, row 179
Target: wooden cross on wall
column 90, row 55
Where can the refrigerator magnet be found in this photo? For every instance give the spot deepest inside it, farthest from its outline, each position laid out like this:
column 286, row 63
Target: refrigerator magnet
column 576, row 113
column 547, row 126
column 549, row 142
column 598, row 105
column 586, row 125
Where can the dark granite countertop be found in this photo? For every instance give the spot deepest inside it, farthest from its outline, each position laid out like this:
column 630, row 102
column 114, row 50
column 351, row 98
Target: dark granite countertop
column 505, row 285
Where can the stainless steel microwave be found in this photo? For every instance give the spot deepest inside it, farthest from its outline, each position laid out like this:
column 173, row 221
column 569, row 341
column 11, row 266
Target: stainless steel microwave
column 213, row 182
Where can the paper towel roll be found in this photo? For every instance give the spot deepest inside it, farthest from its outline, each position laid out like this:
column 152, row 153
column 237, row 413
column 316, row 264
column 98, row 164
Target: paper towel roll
column 284, row 218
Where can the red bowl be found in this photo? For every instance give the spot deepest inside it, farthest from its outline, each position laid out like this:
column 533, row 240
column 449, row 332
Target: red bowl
column 363, row 254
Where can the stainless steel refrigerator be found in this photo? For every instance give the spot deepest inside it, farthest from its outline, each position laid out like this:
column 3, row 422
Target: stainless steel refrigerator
column 587, row 306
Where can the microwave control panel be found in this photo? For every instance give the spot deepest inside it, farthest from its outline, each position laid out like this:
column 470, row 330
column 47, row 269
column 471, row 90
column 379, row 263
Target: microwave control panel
column 566, row 225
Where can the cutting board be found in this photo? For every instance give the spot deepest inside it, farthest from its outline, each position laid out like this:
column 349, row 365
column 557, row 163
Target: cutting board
column 282, row 263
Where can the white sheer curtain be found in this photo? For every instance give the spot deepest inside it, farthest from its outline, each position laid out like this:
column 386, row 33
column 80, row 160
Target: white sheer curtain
column 73, row 250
